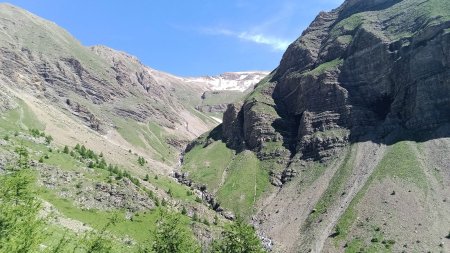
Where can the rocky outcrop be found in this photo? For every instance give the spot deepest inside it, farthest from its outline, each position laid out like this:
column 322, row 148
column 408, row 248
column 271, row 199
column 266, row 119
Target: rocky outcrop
column 122, row 194
column 212, row 108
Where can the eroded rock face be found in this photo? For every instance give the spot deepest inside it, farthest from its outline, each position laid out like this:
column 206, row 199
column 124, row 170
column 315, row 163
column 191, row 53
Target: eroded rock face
column 373, row 67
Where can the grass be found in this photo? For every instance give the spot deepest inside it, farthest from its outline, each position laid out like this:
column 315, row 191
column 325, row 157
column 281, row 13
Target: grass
column 147, row 136
column 244, row 184
column 336, row 186
column 57, row 233
column 177, row 190
column 20, row 118
column 63, row 161
column 400, row 162
column 207, row 165
column 244, row 181
column 129, row 130
column 137, row 228
column 222, row 97
column 325, row 66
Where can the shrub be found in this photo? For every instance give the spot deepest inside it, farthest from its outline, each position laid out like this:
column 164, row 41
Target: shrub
column 195, row 217
column 48, row 139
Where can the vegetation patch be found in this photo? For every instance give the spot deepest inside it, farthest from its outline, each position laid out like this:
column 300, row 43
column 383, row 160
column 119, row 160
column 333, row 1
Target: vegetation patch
column 336, row 186
column 325, row 67
column 206, row 165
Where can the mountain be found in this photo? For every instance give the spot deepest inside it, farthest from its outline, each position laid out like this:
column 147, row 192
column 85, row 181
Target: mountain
column 109, row 91
column 235, row 81
column 344, row 147
column 102, row 133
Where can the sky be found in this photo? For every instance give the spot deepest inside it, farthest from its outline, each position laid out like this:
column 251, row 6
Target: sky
column 187, row 37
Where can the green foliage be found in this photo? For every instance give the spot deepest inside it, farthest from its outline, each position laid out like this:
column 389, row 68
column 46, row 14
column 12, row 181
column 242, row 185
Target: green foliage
column 48, row 139
column 146, row 178
column 183, row 211
column 238, row 237
column 171, row 235
column 97, row 242
column 195, row 217
column 20, row 225
column 141, row 161
column 35, row 132
column 22, row 162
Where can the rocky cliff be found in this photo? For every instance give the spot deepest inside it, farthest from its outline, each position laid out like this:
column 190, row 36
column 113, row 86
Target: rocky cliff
column 369, row 67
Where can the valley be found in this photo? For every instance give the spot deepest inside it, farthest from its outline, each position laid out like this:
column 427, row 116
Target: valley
column 344, row 147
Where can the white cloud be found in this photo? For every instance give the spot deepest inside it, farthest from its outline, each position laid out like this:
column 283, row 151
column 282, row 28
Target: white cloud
column 259, row 38
column 275, row 43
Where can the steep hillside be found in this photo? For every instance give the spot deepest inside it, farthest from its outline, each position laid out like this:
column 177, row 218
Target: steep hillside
column 344, row 130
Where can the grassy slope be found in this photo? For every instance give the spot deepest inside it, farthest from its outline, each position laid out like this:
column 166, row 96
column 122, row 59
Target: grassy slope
column 207, row 165
column 19, row 121
column 151, row 136
column 244, row 184
column 237, row 179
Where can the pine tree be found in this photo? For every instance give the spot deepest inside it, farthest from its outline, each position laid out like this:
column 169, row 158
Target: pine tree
column 172, row 236
column 238, row 237
column 20, row 224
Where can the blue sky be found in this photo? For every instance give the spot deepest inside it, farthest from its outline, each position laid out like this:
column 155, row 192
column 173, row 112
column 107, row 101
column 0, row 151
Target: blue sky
column 187, row 37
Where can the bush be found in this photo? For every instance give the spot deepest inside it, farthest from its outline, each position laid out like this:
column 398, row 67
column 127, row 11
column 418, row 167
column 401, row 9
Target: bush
column 6, row 138
column 183, row 211
column 66, row 150
column 195, row 217
column 48, row 139
column 141, row 161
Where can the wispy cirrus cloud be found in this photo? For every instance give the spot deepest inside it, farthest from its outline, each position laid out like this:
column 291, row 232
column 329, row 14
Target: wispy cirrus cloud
column 258, row 38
